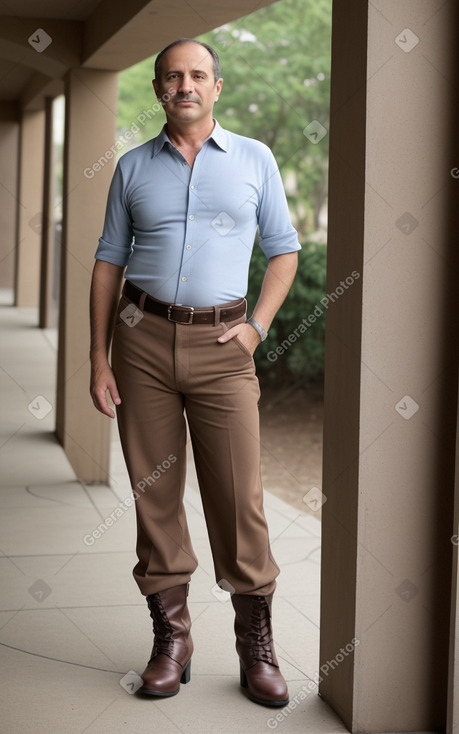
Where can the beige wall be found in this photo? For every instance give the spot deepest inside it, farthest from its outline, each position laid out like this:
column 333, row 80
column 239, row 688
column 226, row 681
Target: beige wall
column 9, row 132
column 390, row 383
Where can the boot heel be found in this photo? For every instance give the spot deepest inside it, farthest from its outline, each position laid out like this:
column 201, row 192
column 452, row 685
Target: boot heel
column 186, row 675
column 243, row 677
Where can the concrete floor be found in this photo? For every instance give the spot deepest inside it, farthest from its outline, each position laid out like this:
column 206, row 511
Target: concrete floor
column 74, row 631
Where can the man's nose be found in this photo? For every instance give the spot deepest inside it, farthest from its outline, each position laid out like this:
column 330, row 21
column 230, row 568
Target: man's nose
column 186, row 84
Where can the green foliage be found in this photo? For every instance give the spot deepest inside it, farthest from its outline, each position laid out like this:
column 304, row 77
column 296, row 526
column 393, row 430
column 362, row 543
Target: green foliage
column 303, row 355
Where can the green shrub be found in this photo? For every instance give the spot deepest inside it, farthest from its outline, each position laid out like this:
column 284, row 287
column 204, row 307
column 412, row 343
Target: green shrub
column 300, row 358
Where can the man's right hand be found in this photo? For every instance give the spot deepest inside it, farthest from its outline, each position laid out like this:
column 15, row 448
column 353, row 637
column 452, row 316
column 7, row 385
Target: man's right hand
column 103, row 381
column 105, row 295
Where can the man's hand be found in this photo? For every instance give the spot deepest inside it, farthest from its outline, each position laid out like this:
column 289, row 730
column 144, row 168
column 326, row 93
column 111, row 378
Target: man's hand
column 103, row 380
column 276, row 284
column 245, row 333
column 105, row 294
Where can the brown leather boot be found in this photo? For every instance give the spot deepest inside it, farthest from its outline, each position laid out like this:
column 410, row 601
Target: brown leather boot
column 170, row 662
column 259, row 668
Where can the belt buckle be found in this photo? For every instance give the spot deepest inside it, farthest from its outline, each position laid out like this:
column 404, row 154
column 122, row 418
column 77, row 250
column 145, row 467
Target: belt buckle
column 174, row 321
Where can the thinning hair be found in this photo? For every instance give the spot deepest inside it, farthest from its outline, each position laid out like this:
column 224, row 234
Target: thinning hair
column 178, row 42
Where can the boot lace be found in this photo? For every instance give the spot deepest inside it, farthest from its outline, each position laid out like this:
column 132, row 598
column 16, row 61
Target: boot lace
column 163, row 641
column 260, row 631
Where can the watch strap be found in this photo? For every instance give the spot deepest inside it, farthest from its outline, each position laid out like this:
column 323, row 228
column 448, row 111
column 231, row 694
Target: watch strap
column 262, row 333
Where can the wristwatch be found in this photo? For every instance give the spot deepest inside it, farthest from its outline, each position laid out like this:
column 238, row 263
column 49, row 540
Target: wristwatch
column 258, row 328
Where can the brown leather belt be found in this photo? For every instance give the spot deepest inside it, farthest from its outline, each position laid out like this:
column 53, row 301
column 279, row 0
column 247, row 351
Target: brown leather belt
column 186, row 314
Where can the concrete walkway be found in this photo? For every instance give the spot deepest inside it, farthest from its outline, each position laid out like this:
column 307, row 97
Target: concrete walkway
column 74, row 631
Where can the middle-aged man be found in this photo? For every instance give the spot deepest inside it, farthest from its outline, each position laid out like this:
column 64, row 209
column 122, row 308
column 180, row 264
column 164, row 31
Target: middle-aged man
column 181, row 218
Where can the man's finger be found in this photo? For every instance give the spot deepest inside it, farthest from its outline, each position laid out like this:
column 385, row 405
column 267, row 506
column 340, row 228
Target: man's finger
column 101, row 403
column 114, row 394
column 229, row 334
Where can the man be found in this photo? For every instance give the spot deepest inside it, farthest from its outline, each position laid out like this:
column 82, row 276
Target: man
column 180, row 223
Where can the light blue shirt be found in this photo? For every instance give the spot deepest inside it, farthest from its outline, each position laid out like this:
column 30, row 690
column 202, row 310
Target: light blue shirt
column 186, row 234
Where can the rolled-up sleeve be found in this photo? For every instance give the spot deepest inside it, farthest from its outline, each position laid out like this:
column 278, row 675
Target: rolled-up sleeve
column 277, row 234
column 115, row 245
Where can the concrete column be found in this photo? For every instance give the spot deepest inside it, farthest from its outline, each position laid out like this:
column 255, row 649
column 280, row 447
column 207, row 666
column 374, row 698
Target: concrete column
column 452, row 726
column 29, row 208
column 391, row 383
column 9, row 142
column 47, row 228
column 91, row 98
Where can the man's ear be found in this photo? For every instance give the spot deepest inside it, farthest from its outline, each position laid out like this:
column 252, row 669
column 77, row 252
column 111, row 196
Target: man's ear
column 156, row 88
column 218, row 88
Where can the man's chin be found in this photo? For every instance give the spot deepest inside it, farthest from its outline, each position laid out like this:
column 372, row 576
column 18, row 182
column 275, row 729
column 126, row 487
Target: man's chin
column 186, row 113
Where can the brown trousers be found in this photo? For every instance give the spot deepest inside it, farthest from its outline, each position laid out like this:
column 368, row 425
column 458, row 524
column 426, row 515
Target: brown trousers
column 164, row 369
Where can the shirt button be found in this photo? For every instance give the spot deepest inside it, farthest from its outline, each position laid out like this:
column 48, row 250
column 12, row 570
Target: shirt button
column 191, row 216
column 192, row 187
column 188, row 247
column 184, row 279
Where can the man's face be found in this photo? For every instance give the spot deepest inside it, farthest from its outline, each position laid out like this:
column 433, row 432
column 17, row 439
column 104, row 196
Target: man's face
column 187, row 87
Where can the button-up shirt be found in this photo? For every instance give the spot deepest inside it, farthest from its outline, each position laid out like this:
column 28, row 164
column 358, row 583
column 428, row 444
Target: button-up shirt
column 186, row 234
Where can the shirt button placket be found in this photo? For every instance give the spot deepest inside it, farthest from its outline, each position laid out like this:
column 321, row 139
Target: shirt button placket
column 188, row 239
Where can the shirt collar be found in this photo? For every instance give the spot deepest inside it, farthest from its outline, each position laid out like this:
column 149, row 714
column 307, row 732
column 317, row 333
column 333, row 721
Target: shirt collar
column 218, row 135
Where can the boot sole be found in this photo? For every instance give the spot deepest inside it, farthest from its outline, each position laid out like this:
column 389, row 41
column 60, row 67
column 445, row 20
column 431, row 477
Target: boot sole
column 185, row 678
column 264, row 702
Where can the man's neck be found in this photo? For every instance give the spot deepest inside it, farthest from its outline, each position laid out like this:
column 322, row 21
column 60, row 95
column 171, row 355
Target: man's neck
column 191, row 136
